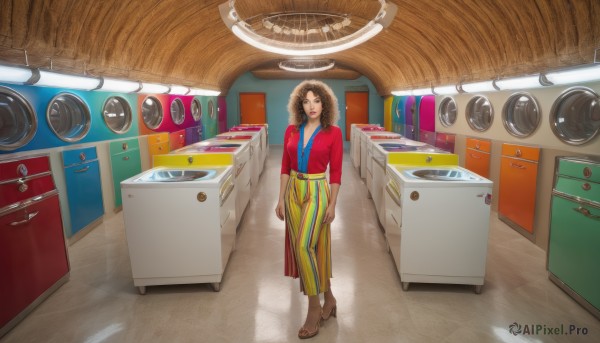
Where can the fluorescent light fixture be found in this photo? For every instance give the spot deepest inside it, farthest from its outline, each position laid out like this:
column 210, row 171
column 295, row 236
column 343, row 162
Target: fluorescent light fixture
column 179, row 90
column 153, row 88
column 445, row 90
column 306, row 66
column 15, row 74
column 203, row 92
column 422, row 91
column 483, row 86
column 49, row 78
column 523, row 82
column 245, row 33
column 579, row 74
column 116, row 85
column 360, row 36
column 402, row 93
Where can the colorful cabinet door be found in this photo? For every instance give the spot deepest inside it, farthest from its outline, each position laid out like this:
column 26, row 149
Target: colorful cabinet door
column 193, row 135
column 573, row 252
column 478, row 156
column 177, row 139
column 427, row 119
column 158, row 144
column 84, row 188
column 445, row 141
column 518, row 180
column 33, row 256
column 125, row 162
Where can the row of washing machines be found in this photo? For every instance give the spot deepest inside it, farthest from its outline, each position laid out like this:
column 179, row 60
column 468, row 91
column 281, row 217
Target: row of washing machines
column 181, row 216
column 435, row 214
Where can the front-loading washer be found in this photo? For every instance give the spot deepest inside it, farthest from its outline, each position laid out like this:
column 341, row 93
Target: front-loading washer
column 18, row 122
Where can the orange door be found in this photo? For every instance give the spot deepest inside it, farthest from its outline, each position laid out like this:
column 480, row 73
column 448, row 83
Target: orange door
column 357, row 110
column 252, row 108
column 518, row 179
column 478, row 157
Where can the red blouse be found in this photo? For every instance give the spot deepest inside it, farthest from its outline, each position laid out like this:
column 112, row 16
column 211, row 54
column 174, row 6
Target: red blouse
column 327, row 148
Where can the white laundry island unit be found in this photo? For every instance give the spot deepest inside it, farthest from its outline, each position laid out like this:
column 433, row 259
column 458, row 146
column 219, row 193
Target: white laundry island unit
column 180, row 225
column 437, row 224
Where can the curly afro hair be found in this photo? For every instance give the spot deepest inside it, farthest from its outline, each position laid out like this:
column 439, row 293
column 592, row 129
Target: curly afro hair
column 330, row 114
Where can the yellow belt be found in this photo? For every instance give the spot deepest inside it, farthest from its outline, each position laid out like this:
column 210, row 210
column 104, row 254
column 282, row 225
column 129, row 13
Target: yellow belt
column 304, row 176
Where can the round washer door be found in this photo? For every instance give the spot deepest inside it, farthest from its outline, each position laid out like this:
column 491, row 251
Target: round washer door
column 68, row 117
column 18, row 122
column 575, row 116
column 196, row 108
column 152, row 112
column 117, row 114
column 177, row 111
column 480, row 113
column 521, row 114
column 447, row 111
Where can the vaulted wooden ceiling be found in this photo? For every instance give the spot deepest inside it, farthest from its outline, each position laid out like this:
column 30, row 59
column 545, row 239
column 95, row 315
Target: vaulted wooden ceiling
column 185, row 41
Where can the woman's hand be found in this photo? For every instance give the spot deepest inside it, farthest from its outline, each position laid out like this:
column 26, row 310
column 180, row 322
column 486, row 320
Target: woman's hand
column 329, row 214
column 280, row 210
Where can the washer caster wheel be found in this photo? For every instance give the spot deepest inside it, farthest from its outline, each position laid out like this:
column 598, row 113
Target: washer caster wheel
column 478, row 289
column 142, row 290
column 405, row 285
column 216, row 286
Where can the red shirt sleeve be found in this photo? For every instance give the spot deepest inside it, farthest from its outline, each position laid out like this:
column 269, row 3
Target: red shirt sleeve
column 285, row 159
column 336, row 155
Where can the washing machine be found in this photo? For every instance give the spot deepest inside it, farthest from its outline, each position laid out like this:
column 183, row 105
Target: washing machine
column 19, row 121
column 210, row 120
column 438, row 224
column 256, row 141
column 213, row 153
column 154, row 114
column 371, row 140
column 255, row 151
column 402, row 152
column 355, row 142
column 264, row 138
column 63, row 117
column 179, row 224
column 365, row 133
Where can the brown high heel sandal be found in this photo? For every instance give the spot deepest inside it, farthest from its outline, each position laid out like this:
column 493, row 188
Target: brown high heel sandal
column 332, row 312
column 304, row 333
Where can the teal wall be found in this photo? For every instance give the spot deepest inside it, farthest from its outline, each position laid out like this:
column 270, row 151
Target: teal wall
column 277, row 94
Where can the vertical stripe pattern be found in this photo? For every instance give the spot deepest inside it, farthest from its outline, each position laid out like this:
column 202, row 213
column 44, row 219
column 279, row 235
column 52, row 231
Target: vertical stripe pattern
column 308, row 240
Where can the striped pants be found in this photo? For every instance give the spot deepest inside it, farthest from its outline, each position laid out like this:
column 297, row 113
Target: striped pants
column 308, row 240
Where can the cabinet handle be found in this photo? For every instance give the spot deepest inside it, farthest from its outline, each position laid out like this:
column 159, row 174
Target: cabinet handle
column 475, row 156
column 586, row 212
column 126, row 158
column 27, row 219
column 518, row 166
column 83, row 170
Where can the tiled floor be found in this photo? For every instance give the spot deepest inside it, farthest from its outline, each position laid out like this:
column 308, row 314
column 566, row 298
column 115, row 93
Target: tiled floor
column 257, row 304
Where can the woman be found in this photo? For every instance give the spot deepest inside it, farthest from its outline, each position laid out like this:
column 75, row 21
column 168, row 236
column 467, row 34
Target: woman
column 306, row 200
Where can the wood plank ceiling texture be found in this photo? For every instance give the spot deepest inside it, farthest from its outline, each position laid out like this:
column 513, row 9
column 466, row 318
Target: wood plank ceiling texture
column 185, row 41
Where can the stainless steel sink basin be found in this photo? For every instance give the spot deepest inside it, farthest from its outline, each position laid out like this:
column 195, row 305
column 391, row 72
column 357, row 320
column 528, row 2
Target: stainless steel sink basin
column 443, row 175
column 227, row 145
column 176, row 175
